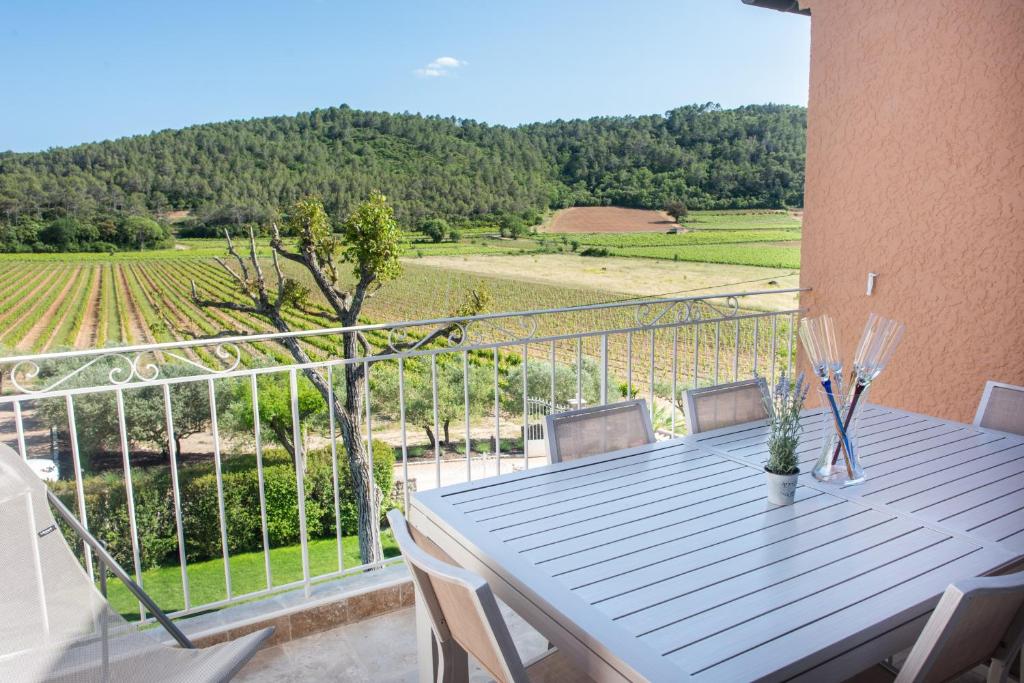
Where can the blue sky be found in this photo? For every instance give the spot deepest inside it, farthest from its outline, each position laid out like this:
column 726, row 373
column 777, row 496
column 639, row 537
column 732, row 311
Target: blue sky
column 76, row 71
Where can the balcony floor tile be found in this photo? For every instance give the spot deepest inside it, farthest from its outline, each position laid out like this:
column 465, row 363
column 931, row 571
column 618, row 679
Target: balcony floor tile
column 379, row 649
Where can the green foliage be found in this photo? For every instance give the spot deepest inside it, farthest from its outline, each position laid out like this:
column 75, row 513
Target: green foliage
column 512, row 226
column 538, row 383
column 96, row 419
column 106, row 501
column 435, row 229
column 596, row 251
column 419, row 396
column 677, row 209
column 233, row 173
column 699, row 237
column 309, row 223
column 275, row 408
column 372, row 239
column 784, row 405
column 97, row 233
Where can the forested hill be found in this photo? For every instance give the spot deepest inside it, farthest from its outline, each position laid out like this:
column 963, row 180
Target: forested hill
column 752, row 156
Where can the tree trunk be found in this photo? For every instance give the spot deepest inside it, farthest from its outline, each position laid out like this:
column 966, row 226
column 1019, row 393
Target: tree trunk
column 177, row 444
column 447, row 438
column 430, row 437
column 348, row 416
column 367, row 494
column 283, row 435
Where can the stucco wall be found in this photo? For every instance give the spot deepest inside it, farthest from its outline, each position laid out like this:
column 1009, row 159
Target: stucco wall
column 915, row 171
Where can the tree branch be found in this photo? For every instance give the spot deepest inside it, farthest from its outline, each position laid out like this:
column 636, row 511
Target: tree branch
column 261, row 282
column 277, row 244
column 231, row 250
column 280, row 283
column 226, row 305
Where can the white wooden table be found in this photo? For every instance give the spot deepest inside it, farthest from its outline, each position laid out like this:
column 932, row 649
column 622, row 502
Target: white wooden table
column 666, row 563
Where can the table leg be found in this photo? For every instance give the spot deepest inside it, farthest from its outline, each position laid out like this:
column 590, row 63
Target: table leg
column 437, row 663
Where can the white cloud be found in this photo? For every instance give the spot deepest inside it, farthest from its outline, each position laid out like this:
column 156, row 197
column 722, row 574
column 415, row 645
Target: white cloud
column 441, row 66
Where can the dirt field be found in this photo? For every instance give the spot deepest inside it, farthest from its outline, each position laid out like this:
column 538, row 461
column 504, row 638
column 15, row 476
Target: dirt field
column 642, row 277
column 609, row 219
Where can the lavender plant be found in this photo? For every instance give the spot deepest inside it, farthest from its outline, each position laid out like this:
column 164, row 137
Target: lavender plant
column 784, row 404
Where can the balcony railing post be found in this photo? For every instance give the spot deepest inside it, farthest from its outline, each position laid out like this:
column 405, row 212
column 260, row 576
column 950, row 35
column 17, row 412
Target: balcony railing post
column 437, row 418
column 76, row 462
column 19, row 427
column 219, row 472
column 405, row 439
column 526, row 411
column 675, row 375
column 129, row 491
column 465, row 405
column 300, row 476
column 172, row 457
column 331, row 425
column 604, row 369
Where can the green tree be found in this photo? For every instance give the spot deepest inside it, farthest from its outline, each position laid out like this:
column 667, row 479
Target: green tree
column 96, row 417
column 436, row 229
column 677, row 209
column 370, row 241
column 538, row 384
column 512, row 226
column 451, row 394
column 276, row 411
column 142, row 231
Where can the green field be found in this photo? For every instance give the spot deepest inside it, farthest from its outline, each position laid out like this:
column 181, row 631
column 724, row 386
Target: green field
column 54, row 301
column 741, row 220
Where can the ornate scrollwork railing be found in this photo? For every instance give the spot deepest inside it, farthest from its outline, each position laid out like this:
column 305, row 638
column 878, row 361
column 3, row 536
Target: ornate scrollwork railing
column 140, row 366
column 65, row 371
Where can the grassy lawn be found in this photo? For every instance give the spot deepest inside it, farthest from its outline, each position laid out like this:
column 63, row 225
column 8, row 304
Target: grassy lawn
column 206, row 579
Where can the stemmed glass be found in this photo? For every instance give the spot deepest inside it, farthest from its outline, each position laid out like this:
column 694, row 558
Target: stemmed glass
column 877, row 344
column 819, row 340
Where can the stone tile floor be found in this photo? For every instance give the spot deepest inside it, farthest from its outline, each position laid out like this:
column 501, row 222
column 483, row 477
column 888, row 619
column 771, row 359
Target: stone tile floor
column 379, row 649
column 383, row 649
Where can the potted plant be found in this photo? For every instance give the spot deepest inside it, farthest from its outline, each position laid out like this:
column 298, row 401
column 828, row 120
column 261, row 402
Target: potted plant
column 782, row 469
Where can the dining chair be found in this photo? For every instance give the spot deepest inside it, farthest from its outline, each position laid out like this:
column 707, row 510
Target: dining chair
column 724, row 405
column 581, row 433
column 464, row 612
column 55, row 625
column 977, row 621
column 1001, row 408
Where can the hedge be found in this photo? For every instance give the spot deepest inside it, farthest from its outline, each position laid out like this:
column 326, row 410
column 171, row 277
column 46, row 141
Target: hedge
column 107, row 510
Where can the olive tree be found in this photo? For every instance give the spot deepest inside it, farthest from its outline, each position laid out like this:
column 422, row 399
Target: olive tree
column 369, row 241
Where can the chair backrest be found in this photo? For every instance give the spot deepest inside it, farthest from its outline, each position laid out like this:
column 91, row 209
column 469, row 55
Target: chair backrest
column 460, row 604
column 52, row 618
column 724, row 405
column 976, row 620
column 1001, row 408
column 581, row 433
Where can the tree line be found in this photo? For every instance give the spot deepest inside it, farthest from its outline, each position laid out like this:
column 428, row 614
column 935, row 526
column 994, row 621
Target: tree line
column 242, row 172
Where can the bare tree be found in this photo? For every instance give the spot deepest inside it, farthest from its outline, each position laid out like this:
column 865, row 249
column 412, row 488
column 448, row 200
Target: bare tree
column 370, row 240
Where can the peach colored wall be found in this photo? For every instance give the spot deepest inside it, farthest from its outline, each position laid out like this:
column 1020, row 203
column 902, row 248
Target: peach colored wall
column 915, row 170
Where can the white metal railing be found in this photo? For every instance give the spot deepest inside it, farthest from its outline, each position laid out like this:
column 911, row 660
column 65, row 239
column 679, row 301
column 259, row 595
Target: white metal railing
column 503, row 361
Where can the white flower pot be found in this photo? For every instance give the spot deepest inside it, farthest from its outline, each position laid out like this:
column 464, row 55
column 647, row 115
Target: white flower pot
column 781, row 487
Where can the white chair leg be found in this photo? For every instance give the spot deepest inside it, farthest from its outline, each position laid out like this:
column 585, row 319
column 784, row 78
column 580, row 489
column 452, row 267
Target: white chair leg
column 427, row 655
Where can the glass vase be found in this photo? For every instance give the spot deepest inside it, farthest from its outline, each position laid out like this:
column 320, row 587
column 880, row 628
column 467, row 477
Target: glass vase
column 839, row 458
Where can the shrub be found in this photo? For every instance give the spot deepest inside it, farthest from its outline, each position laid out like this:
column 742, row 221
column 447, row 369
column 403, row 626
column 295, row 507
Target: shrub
column 435, row 229
column 595, row 251
column 106, row 504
